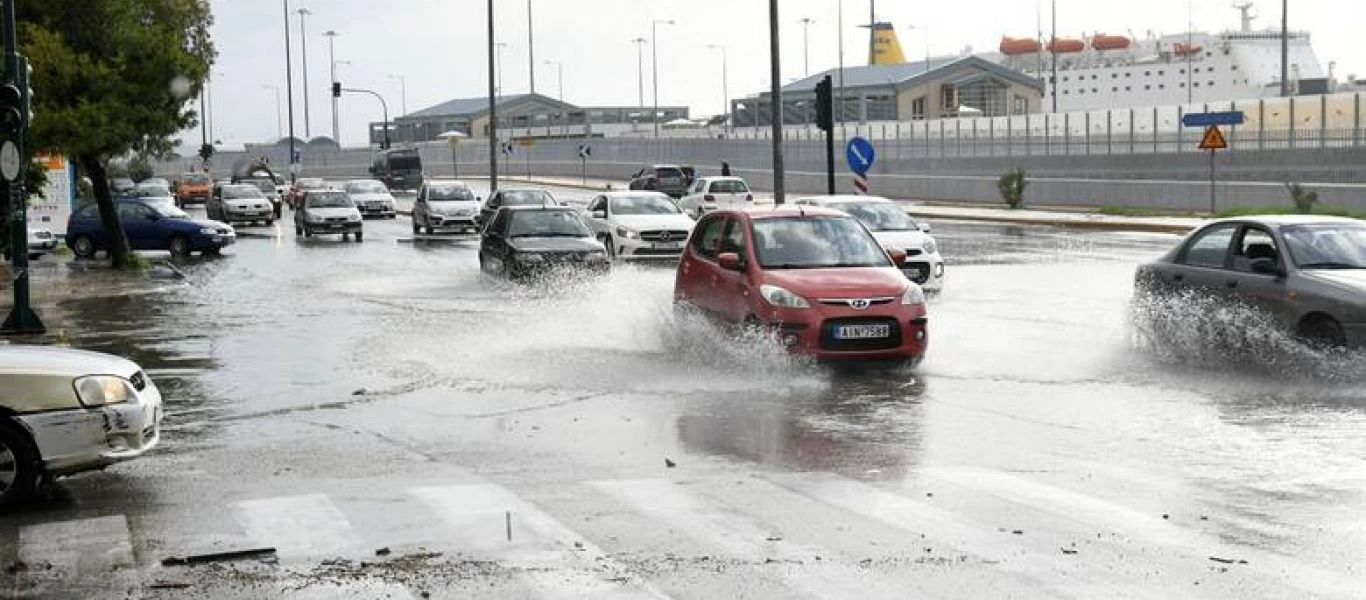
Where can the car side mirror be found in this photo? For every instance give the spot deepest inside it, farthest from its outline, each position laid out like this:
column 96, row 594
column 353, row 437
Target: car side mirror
column 729, row 261
column 898, row 256
column 599, row 214
column 1266, row 266
column 925, row 227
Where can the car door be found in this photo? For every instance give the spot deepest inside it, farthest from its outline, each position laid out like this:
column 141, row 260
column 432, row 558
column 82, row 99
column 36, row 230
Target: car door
column 700, row 274
column 732, row 287
column 1203, row 263
column 599, row 224
column 137, row 224
column 493, row 244
column 1266, row 291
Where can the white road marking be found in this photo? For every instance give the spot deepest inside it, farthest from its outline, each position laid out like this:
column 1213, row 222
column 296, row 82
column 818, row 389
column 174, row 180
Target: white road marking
column 84, row 552
column 299, row 527
column 560, row 563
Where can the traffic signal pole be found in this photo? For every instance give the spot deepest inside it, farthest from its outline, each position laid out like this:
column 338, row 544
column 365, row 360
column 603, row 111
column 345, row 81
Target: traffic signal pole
column 14, row 161
column 825, row 121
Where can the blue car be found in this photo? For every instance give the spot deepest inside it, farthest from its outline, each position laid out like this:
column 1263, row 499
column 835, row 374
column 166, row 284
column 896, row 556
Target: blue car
column 151, row 224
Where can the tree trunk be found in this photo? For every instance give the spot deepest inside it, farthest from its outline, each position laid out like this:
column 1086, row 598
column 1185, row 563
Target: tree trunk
column 115, row 239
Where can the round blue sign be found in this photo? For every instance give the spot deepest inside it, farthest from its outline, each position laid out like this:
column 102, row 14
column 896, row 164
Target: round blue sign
column 860, row 154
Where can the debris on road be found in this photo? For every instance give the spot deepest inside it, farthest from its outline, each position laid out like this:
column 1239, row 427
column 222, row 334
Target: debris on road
column 196, row 559
column 669, row 463
column 1227, row 561
column 382, row 551
column 168, row 585
column 359, row 392
column 1017, row 531
column 1068, row 550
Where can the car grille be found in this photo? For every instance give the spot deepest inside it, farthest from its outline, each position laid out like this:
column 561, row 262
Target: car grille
column 918, row 272
column 658, row 251
column 850, row 301
column 139, row 381
column 914, row 251
column 336, row 219
column 43, row 235
column 673, row 235
column 829, row 342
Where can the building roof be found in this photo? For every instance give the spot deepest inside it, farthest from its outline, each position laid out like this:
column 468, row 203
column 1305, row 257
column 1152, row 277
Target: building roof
column 472, row 107
column 883, row 75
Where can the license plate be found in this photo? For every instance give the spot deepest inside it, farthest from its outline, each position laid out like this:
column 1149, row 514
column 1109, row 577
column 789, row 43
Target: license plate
column 917, row 272
column 862, row 332
column 667, row 245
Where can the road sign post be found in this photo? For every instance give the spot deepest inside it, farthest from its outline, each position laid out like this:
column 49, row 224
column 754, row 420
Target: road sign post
column 860, row 154
column 15, row 102
column 454, row 142
column 1212, row 140
column 584, row 152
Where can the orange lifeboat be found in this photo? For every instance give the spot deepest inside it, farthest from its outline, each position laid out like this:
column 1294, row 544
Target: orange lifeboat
column 1184, row 49
column 1066, row 45
column 1015, row 46
column 1110, row 42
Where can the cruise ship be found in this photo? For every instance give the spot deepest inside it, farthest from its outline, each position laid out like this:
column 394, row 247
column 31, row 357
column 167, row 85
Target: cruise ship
column 1105, row 71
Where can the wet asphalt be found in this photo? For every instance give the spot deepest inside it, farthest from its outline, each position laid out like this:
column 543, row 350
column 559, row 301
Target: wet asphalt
column 396, row 425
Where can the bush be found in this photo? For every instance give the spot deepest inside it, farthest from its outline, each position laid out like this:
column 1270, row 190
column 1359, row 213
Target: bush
column 1303, row 198
column 1012, row 187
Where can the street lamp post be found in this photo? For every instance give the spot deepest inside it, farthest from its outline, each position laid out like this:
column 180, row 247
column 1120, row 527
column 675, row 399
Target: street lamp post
column 776, row 98
column 279, row 111
column 654, row 66
column 402, row 91
column 493, row 108
column 303, row 42
column 640, row 69
column 806, row 45
column 725, row 79
column 332, row 57
column 289, row 92
column 531, row 46
column 498, row 66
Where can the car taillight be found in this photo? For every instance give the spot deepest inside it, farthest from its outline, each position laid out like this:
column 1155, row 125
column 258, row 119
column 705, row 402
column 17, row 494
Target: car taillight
column 749, row 197
column 709, row 198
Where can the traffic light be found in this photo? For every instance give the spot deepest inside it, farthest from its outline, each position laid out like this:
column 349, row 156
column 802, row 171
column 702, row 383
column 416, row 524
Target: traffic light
column 206, row 151
column 26, row 86
column 825, row 110
column 336, row 89
column 11, row 110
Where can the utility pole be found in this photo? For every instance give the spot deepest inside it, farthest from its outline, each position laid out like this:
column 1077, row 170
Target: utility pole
column 289, row 95
column 498, row 66
column 332, row 59
column 15, row 96
column 640, row 69
column 776, row 97
column 1285, row 47
column 303, row 42
column 654, row 67
column 872, row 32
column 1190, row 54
column 839, row 104
column 725, row 82
column 806, row 45
column 1053, row 54
column 402, row 91
column 493, row 108
column 531, row 47
column 279, row 111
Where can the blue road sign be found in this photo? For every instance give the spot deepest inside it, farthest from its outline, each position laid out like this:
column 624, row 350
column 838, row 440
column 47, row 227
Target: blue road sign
column 1233, row 117
column 860, row 154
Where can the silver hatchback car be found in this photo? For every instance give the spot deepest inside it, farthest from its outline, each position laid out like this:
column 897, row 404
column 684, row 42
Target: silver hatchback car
column 1307, row 272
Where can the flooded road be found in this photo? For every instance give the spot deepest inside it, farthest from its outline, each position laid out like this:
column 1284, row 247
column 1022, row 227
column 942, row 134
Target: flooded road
column 394, row 424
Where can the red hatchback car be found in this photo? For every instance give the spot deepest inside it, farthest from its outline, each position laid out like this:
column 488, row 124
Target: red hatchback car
column 814, row 275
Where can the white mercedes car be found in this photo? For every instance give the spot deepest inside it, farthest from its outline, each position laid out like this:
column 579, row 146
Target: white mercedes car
column 639, row 225
column 893, row 228
column 64, row 411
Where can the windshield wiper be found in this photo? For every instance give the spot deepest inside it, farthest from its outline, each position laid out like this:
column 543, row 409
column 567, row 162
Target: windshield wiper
column 1331, row 265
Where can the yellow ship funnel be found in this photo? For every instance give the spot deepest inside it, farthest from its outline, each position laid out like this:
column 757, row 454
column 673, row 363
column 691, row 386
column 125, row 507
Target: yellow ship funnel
column 886, row 49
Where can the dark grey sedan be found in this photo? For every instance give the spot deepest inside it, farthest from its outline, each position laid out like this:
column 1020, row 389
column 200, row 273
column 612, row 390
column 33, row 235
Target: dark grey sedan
column 1307, row 272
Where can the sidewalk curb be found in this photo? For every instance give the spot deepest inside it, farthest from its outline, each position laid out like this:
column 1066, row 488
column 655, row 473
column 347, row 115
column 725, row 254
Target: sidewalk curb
column 1098, row 224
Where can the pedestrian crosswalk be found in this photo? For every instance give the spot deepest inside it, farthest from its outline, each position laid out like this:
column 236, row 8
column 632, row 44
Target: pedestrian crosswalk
column 779, row 535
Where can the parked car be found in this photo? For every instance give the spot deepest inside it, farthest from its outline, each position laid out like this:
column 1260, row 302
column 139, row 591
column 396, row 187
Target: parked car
column 193, row 187
column 150, row 225
column 267, row 187
column 710, row 193
column 639, row 225
column 814, row 276
column 303, row 184
column 65, row 411
column 40, row 242
column 155, row 192
column 161, row 181
column 445, row 204
column 328, row 212
column 240, row 203
column 122, row 186
column 514, row 197
column 1306, row 273
column 893, row 228
column 668, row 179
column 371, row 198
column 529, row 241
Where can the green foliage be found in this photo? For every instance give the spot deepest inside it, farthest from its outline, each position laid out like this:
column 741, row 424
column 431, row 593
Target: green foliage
column 1012, row 186
column 140, row 168
column 1304, row 199
column 35, row 179
column 1131, row 211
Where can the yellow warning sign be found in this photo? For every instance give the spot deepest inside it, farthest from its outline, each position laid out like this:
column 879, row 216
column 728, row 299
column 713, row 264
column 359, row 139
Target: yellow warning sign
column 1213, row 140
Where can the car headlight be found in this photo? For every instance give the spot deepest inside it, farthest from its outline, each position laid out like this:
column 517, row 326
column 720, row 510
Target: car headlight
column 930, row 245
column 530, row 257
column 353, row 218
column 99, row 390
column 629, row 234
column 913, row 295
column 313, row 219
column 781, row 297
column 597, row 256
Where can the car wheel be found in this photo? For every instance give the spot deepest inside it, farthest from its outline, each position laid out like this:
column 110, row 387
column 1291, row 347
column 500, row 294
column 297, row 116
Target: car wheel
column 19, row 471
column 298, row 231
column 346, row 237
column 83, row 246
column 180, row 245
column 214, row 251
column 360, row 236
column 1323, row 332
column 416, row 228
column 431, row 230
column 307, row 233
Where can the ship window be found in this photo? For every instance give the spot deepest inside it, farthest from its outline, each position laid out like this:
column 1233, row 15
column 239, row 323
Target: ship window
column 1183, row 71
column 1094, row 76
column 1114, row 76
column 1182, row 84
column 1196, row 84
column 1211, row 83
column 1147, row 73
column 1161, row 73
column 1065, row 79
column 1147, row 87
column 1126, row 88
column 1161, row 86
column 1234, row 67
column 1209, row 54
column 1095, row 91
column 1126, row 73
column 1114, row 89
column 1066, row 92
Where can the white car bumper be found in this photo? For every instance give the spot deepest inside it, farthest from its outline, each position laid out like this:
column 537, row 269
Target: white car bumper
column 81, row 439
column 637, row 249
column 927, row 270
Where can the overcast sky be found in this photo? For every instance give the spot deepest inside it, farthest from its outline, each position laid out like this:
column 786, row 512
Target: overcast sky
column 438, row 46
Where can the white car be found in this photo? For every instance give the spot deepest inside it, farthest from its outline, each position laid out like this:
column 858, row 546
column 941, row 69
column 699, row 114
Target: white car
column 710, row 193
column 639, row 225
column 371, row 198
column 445, row 204
column 893, row 228
column 64, row 411
column 40, row 242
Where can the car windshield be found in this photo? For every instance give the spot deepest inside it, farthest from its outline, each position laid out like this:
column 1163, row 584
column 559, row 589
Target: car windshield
column 327, row 200
column 242, row 191
column 879, row 216
column 527, row 198
column 265, row 185
column 547, row 223
column 815, row 243
column 405, row 162
column 449, row 192
column 729, row 186
column 366, row 187
column 153, row 191
column 1327, row 246
column 168, row 210
column 644, row 205
column 669, row 173
column 197, row 179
